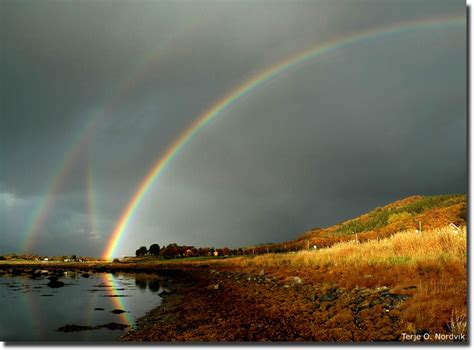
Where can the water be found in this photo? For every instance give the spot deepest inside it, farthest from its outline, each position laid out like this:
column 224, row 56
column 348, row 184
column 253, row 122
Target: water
column 32, row 311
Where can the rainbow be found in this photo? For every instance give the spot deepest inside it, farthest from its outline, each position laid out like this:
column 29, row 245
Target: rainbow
column 73, row 153
column 245, row 89
column 90, row 201
column 94, row 121
column 117, row 302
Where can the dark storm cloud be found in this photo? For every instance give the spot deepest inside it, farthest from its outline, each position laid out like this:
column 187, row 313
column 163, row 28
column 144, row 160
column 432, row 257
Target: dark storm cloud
column 355, row 128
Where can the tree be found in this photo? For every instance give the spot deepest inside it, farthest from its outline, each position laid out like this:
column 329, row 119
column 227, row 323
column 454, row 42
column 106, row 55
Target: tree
column 154, row 250
column 141, row 251
column 225, row 251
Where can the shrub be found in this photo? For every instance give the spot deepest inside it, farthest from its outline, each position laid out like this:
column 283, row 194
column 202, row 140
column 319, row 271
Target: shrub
column 404, row 215
column 380, row 217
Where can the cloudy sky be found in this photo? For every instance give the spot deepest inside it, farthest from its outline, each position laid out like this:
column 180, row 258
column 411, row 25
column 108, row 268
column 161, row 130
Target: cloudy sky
column 94, row 92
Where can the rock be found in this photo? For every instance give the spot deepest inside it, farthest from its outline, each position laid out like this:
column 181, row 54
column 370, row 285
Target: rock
column 297, row 280
column 164, row 292
column 118, row 311
column 99, row 309
column 114, row 326
column 35, row 274
column 53, row 278
column 398, row 297
column 16, row 272
column 85, row 275
column 262, row 272
column 74, row 328
column 328, row 297
column 55, row 284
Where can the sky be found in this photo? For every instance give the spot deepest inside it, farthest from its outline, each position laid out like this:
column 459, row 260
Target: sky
column 93, row 93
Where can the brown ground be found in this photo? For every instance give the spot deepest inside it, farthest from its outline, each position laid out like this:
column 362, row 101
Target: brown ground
column 228, row 305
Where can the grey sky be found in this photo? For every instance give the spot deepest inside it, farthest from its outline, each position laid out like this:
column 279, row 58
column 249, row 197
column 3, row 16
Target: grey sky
column 354, row 128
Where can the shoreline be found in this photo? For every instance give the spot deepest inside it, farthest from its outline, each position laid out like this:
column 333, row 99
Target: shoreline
column 222, row 306
column 214, row 301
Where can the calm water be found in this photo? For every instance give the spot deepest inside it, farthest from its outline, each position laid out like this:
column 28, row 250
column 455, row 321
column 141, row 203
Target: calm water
column 32, row 311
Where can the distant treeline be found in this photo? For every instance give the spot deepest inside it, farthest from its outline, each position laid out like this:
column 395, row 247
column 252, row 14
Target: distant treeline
column 174, row 250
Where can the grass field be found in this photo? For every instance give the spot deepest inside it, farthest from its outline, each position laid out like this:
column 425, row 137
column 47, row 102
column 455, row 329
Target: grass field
column 443, row 246
column 431, row 265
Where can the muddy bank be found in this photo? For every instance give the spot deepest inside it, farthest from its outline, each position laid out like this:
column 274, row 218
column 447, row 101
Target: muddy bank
column 211, row 305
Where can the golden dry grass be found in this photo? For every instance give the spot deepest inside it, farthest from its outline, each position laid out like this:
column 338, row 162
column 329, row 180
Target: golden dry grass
column 435, row 262
column 458, row 322
column 440, row 247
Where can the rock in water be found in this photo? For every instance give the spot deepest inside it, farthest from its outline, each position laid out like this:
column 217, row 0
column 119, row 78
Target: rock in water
column 114, row 326
column 118, row 311
column 74, row 328
column 55, row 284
column 77, row 328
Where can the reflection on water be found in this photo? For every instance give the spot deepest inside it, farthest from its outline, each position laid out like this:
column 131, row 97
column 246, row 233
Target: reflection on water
column 147, row 281
column 33, row 311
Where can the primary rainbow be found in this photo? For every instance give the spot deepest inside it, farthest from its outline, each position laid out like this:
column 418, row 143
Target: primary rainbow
column 243, row 90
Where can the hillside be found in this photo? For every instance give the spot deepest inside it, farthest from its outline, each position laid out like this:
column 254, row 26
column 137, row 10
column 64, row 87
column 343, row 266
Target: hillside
column 408, row 213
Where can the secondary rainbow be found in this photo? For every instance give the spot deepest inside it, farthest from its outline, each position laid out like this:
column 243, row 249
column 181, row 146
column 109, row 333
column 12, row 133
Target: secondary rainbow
column 243, row 90
column 95, row 121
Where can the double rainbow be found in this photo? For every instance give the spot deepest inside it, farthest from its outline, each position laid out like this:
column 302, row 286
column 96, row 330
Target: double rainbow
column 246, row 88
